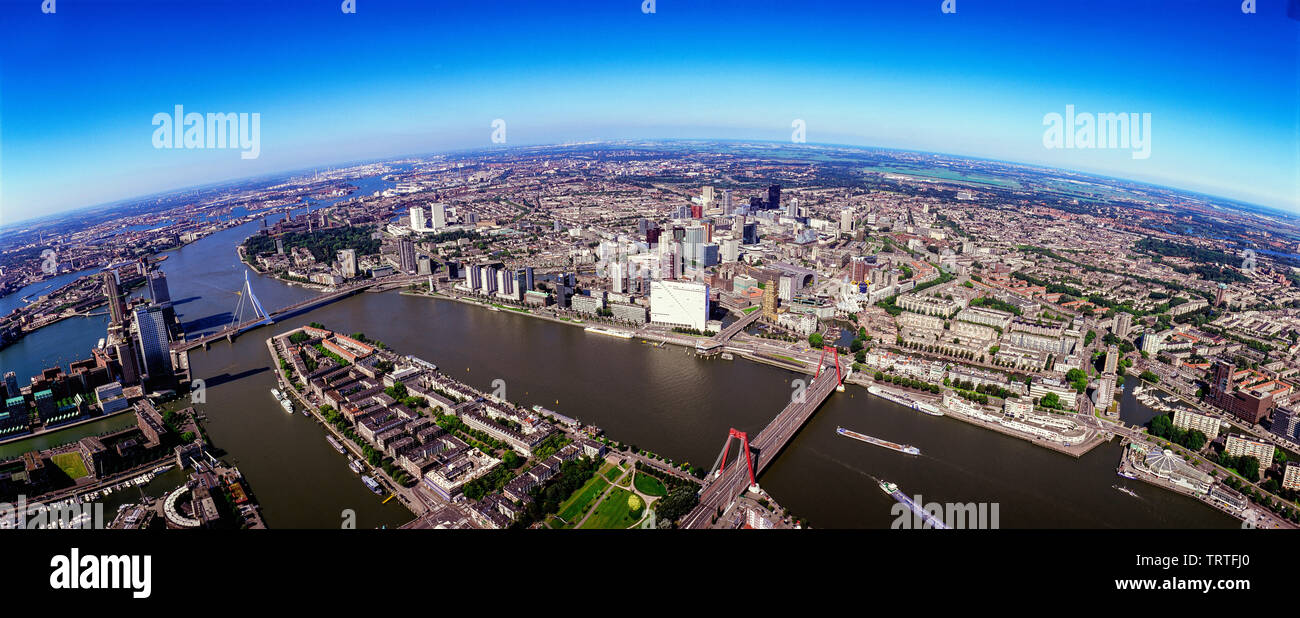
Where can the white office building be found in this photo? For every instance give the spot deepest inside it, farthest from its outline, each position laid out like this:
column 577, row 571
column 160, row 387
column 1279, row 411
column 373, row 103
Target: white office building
column 679, row 303
column 348, row 262
column 417, row 219
column 439, row 212
column 730, row 249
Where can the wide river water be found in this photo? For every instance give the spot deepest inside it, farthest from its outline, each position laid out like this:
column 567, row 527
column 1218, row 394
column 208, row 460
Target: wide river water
column 665, row 400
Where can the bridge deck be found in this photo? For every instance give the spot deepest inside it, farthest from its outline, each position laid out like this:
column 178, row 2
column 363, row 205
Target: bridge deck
column 740, row 324
column 770, row 441
column 289, row 310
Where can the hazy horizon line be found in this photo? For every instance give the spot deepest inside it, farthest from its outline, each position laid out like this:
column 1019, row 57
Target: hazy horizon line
column 1293, row 211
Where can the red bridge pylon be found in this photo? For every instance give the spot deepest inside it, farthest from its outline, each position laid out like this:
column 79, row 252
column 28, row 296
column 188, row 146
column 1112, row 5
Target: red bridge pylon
column 835, row 353
column 721, row 463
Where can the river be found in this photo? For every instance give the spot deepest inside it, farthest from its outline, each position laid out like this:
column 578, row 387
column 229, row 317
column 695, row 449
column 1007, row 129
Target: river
column 665, row 400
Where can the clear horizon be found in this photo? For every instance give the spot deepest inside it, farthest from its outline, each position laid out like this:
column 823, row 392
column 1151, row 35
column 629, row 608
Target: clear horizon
column 401, row 78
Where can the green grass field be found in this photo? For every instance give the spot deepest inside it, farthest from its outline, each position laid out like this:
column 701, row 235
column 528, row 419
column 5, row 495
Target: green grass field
column 571, row 510
column 515, row 309
column 650, row 485
column 71, row 464
column 613, row 472
column 612, row 512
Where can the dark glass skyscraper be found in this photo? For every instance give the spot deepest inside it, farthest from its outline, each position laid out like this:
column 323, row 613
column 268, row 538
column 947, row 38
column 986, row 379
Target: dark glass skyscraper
column 406, row 255
column 773, row 197
column 154, row 350
column 158, row 288
column 116, row 309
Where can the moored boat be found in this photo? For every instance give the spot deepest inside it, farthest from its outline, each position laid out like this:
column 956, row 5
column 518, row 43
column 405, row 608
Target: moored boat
column 928, row 408
column 334, row 442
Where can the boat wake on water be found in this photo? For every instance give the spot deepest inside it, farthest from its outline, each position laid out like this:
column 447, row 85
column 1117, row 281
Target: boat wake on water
column 1127, row 491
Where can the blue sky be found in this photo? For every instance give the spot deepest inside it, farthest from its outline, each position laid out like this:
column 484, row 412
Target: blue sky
column 79, row 88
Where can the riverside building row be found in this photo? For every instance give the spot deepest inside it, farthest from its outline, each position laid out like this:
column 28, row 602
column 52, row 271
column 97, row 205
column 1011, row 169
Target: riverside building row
column 405, row 427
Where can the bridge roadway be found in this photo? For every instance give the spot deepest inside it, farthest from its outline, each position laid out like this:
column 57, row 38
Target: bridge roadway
column 300, row 306
column 740, row 324
column 719, row 493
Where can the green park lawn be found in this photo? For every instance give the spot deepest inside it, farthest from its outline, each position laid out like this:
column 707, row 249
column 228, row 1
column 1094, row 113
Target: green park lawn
column 71, row 464
column 613, row 472
column 612, row 512
column 571, row 510
column 649, row 485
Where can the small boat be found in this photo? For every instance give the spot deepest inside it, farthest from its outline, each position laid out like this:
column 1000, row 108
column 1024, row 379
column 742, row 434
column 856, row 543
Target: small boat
column 338, row 446
column 1128, row 475
column 927, row 408
column 888, row 487
column 372, row 485
column 1126, row 490
column 355, row 466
